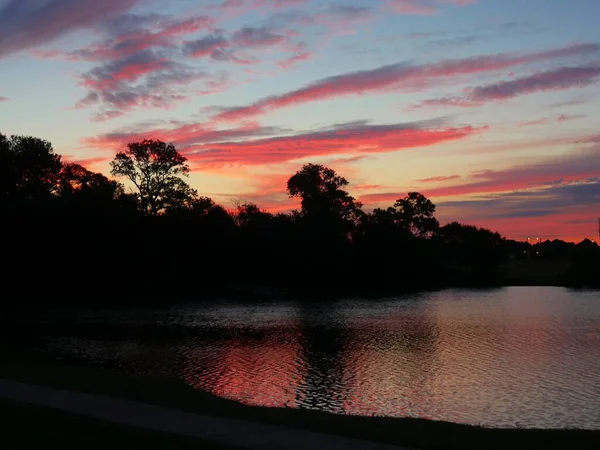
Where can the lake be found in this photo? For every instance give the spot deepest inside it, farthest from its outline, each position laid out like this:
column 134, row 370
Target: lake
column 519, row 356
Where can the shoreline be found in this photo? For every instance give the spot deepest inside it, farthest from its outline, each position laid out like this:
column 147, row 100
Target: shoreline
column 263, row 292
column 417, row 433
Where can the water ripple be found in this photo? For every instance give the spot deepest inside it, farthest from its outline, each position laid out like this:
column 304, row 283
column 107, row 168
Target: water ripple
column 496, row 357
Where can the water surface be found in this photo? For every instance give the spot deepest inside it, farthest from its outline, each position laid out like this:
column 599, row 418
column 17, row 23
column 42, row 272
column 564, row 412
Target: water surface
column 528, row 356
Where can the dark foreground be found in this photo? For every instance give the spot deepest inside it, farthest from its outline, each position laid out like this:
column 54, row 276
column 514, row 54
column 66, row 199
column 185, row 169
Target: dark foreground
column 32, row 427
column 70, row 431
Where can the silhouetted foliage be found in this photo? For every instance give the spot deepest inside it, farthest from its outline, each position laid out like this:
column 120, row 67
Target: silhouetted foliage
column 586, row 264
column 155, row 169
column 322, row 193
column 29, row 167
column 71, row 231
column 478, row 249
column 415, row 213
column 76, row 183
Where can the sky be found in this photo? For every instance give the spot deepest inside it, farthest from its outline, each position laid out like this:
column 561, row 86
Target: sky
column 488, row 107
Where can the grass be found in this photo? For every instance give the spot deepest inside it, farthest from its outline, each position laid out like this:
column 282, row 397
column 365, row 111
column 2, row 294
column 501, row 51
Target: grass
column 539, row 272
column 27, row 427
column 416, row 433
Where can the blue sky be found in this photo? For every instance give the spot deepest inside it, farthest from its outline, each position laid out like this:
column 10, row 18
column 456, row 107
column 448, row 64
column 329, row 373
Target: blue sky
column 488, row 107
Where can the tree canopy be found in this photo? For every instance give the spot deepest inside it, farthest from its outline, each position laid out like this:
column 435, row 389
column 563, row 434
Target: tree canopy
column 29, row 167
column 322, row 192
column 415, row 212
column 64, row 221
column 156, row 169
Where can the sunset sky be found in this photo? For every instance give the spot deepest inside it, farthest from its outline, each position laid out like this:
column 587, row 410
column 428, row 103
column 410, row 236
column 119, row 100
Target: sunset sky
column 489, row 107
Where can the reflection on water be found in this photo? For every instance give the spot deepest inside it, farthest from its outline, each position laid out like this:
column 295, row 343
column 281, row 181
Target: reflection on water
column 494, row 357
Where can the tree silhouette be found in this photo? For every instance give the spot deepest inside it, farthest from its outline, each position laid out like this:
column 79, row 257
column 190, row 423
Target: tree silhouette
column 250, row 216
column 62, row 215
column 415, row 212
column 322, row 192
column 471, row 246
column 155, row 169
column 29, row 167
column 74, row 180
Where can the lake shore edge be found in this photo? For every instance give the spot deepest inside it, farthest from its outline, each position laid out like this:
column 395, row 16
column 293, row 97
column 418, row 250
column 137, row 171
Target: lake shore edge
column 410, row 432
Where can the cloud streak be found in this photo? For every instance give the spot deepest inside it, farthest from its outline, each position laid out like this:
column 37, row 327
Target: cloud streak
column 564, row 210
column 134, row 33
column 140, row 65
column 371, row 139
column 222, row 46
column 552, row 120
column 552, row 80
column 439, row 179
column 148, row 79
column 215, row 147
column 28, row 24
column 563, row 78
column 581, row 165
column 424, row 7
column 399, row 76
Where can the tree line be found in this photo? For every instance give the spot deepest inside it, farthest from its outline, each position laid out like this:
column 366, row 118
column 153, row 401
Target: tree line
column 70, row 231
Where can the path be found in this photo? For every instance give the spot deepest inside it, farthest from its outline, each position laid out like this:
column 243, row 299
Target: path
column 241, row 433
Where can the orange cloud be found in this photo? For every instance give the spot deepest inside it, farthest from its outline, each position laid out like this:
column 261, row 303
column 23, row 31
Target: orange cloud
column 371, row 139
column 210, row 147
column 581, row 165
column 439, row 179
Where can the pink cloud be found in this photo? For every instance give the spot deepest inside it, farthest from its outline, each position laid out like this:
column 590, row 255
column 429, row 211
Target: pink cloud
column 279, row 3
column 366, row 187
column 138, row 65
column 287, row 63
column 206, row 45
column 235, row 8
column 397, row 76
column 573, row 102
column 272, row 4
column 338, row 19
column 412, row 7
column 459, row 2
column 220, row 46
column 550, row 120
column 159, row 34
column 257, row 37
column 27, row 24
column 552, row 80
column 369, row 139
column 146, row 79
column 300, row 54
column 446, row 102
column 4, row 99
column 564, row 209
column 580, row 165
column 108, row 76
column 211, row 148
column 424, row 7
column 439, row 179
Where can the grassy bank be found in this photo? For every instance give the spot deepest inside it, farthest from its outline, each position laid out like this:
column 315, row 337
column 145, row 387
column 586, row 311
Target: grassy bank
column 26, row 427
column 417, row 433
column 534, row 272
